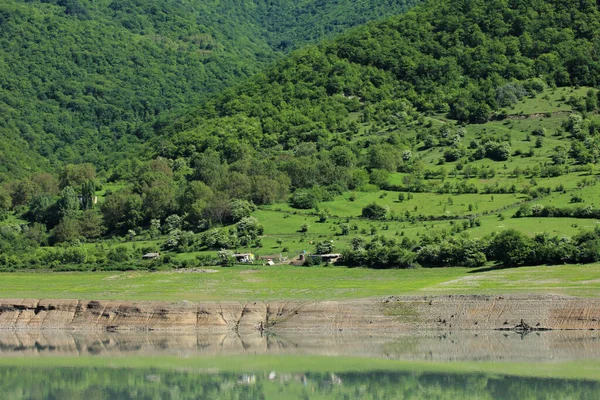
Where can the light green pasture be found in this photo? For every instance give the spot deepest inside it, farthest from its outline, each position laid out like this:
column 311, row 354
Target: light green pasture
column 248, row 283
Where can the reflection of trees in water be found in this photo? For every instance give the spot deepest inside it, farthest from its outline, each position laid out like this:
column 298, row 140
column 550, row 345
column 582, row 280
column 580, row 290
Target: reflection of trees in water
column 108, row 383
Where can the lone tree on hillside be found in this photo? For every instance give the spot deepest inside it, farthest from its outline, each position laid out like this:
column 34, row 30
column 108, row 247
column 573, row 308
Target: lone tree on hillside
column 374, row 211
column 511, row 248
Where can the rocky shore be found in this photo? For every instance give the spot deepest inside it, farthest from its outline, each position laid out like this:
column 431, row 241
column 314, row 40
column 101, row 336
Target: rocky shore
column 449, row 312
column 446, row 313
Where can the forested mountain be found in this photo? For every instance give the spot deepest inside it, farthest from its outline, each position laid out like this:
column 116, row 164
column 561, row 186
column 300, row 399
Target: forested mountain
column 458, row 57
column 82, row 81
column 466, row 59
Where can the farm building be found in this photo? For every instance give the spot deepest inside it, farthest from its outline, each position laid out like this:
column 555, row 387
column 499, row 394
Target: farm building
column 273, row 259
column 244, row 257
column 328, row 258
column 151, row 256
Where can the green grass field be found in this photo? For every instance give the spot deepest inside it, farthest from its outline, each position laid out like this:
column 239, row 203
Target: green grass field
column 299, row 283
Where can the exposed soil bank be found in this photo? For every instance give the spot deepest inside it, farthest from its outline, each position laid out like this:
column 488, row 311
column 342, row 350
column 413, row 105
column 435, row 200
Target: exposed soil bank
column 450, row 312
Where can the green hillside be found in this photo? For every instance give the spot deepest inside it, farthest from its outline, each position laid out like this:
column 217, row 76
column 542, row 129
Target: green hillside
column 470, row 60
column 84, row 81
column 462, row 133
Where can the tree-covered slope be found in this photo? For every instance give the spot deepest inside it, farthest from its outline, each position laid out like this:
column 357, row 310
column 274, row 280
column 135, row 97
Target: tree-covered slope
column 292, row 24
column 459, row 57
column 82, row 81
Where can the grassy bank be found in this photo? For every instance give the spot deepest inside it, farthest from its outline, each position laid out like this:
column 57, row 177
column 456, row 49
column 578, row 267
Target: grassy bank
column 299, row 283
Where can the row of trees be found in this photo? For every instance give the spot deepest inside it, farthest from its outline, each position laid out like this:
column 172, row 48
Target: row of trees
column 548, row 211
column 506, row 248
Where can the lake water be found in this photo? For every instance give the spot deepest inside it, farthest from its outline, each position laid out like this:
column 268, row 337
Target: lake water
column 408, row 365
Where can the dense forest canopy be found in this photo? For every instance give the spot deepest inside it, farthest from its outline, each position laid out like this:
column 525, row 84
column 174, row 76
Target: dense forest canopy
column 83, row 81
column 461, row 58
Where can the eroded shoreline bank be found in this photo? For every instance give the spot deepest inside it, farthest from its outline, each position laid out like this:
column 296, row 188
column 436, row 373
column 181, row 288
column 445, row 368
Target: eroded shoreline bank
column 442, row 312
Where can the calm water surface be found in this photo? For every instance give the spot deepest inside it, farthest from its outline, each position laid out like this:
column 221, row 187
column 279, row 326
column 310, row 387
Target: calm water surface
column 429, row 365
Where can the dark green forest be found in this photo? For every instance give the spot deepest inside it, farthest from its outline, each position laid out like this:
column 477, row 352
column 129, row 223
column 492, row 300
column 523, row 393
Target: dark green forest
column 84, row 81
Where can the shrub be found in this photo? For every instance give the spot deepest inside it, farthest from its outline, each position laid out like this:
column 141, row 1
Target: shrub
column 119, row 254
column 324, row 247
column 345, row 229
column 304, row 199
column 225, row 258
column 575, row 198
column 241, row 209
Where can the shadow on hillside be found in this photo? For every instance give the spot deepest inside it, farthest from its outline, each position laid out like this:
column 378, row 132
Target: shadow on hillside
column 492, row 268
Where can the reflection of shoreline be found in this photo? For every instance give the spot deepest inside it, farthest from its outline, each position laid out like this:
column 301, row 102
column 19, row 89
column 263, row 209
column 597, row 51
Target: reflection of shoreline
column 418, row 346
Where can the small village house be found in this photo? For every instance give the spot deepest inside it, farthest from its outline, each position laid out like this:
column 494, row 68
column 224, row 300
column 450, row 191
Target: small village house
column 328, row 258
column 151, row 256
column 273, row 259
column 244, row 257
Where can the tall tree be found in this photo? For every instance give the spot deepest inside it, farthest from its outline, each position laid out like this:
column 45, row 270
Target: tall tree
column 88, row 195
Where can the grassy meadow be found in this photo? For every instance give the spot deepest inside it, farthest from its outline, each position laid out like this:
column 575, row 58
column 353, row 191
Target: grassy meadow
column 246, row 283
